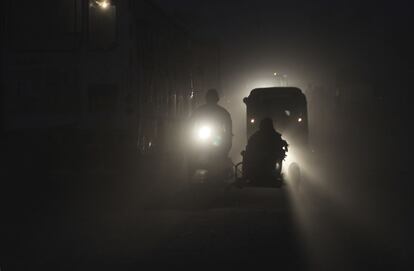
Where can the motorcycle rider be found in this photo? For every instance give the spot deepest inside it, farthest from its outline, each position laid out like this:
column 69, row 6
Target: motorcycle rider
column 211, row 112
column 264, row 149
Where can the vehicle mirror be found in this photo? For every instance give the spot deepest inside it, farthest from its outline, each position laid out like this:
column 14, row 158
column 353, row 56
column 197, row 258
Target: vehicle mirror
column 245, row 100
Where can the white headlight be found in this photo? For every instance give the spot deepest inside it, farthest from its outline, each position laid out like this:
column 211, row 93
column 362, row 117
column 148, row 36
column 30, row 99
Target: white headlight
column 204, row 132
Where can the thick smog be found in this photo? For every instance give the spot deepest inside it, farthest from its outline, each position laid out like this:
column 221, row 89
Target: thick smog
column 155, row 134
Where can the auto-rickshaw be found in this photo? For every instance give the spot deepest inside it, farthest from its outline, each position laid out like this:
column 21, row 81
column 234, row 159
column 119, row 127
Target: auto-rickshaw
column 287, row 107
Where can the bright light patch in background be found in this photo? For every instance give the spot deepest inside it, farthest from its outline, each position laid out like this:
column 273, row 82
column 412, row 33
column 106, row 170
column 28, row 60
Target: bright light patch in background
column 103, row 4
column 300, row 119
column 263, row 83
column 252, row 121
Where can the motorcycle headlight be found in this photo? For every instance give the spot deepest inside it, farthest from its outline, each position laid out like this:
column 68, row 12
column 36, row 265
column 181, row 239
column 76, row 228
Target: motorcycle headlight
column 204, row 132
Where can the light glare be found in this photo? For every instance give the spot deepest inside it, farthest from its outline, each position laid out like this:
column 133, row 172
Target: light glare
column 204, row 133
column 103, row 4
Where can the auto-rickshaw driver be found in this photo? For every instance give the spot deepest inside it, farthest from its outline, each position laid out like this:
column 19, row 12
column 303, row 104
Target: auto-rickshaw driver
column 265, row 151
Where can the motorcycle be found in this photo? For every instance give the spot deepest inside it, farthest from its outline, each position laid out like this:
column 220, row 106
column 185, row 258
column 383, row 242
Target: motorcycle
column 207, row 157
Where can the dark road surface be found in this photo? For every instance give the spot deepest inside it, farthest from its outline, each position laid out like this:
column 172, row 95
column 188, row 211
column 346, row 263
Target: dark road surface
column 111, row 222
column 249, row 226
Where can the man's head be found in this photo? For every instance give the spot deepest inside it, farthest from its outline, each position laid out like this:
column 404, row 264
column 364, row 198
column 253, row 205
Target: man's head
column 266, row 124
column 212, row 96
